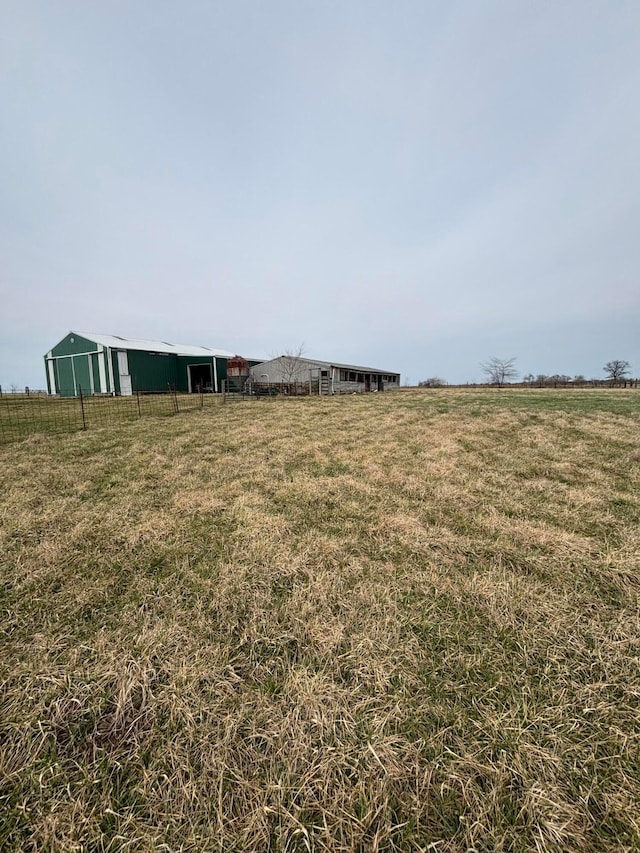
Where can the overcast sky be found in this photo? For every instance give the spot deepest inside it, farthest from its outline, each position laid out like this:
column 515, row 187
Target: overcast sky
column 415, row 186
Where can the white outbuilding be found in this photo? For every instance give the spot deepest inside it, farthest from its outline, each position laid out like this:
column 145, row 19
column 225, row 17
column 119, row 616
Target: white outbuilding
column 292, row 374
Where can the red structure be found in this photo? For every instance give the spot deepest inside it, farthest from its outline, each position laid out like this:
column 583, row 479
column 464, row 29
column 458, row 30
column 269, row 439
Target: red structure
column 237, row 371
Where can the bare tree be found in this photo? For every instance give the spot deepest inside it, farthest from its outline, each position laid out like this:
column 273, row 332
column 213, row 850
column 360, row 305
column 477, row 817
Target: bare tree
column 499, row 371
column 291, row 366
column 617, row 370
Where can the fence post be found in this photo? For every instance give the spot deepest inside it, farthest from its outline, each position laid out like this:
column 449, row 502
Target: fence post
column 84, row 422
column 201, row 398
column 175, row 400
column 138, row 401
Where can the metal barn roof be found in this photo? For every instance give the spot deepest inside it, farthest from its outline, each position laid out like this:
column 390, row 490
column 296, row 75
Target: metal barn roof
column 117, row 342
column 354, row 367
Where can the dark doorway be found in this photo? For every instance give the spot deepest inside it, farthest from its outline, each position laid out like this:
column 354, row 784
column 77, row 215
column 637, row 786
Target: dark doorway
column 200, row 378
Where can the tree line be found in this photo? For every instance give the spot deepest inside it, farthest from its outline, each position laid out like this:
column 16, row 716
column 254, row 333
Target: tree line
column 503, row 371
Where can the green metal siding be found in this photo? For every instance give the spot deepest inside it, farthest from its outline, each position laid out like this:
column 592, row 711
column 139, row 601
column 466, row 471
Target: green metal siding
column 116, row 373
column 46, row 373
column 81, row 369
column 104, row 355
column 159, row 372
column 66, row 347
column 96, row 373
column 222, row 370
column 218, row 370
column 155, row 372
column 56, row 375
column 77, row 365
column 182, row 375
column 64, row 377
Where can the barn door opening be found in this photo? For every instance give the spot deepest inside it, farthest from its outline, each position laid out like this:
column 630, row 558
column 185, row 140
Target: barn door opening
column 123, row 373
column 200, row 378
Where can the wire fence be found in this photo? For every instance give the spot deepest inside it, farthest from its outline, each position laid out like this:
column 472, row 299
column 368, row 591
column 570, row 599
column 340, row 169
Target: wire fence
column 22, row 415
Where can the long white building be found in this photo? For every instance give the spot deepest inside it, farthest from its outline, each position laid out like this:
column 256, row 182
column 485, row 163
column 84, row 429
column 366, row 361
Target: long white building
column 295, row 374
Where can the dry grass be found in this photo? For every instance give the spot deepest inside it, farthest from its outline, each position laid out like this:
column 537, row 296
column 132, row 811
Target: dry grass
column 399, row 622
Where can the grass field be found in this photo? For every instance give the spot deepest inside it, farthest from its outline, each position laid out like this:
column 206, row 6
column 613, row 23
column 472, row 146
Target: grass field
column 398, row 622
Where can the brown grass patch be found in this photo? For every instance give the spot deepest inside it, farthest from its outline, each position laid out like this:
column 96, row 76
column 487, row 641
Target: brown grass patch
column 394, row 623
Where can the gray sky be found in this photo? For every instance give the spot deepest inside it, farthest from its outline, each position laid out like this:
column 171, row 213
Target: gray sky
column 412, row 185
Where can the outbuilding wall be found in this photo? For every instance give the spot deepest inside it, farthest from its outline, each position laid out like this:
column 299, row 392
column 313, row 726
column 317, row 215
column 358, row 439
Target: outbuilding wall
column 160, row 372
column 281, row 372
column 150, row 371
column 79, row 364
column 73, row 344
column 183, row 362
column 76, row 366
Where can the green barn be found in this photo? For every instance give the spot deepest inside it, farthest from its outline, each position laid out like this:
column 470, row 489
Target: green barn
column 87, row 363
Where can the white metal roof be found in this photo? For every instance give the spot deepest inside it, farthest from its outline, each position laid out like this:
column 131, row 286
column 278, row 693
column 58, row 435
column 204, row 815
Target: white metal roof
column 117, row 342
